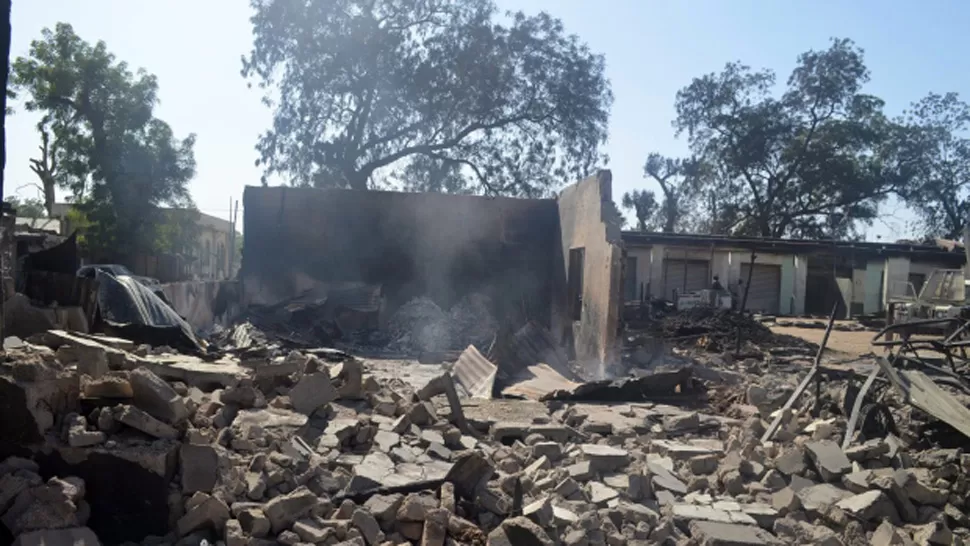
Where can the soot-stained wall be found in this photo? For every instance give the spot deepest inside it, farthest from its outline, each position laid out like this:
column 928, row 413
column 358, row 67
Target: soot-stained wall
column 587, row 223
column 441, row 246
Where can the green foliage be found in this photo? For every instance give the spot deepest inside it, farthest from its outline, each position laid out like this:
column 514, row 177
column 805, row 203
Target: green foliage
column 179, row 232
column 119, row 161
column 644, row 207
column 935, row 153
column 783, row 165
column 445, row 94
column 27, row 208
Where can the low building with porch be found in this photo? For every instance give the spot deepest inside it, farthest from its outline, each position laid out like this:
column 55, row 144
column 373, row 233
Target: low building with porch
column 787, row 277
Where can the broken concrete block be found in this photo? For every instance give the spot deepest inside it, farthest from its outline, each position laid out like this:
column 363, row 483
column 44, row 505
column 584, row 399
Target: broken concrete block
column 791, row 461
column 682, row 422
column 415, row 507
column 604, row 458
column 140, row 420
column 234, row 534
column 816, row 497
column 384, row 508
column 108, row 386
column 210, row 513
column 368, row 526
column 154, row 395
column 435, row 530
column 254, row 522
column 283, row 511
column 935, row 532
column 870, row 506
column 829, row 459
column 888, row 535
column 540, row 512
column 711, row 533
column 47, row 506
column 422, row 414
column 600, row 494
column 312, row 391
column 78, row 434
column 200, row 468
column 73, row 536
column 521, row 531
column 90, row 357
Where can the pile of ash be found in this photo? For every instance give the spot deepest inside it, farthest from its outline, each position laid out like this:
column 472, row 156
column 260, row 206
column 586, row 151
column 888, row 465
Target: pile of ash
column 718, row 323
column 420, row 325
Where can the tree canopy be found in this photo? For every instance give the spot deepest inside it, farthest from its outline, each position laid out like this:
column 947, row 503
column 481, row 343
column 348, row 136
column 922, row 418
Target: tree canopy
column 29, row 207
column 935, row 154
column 439, row 94
column 117, row 159
column 786, row 164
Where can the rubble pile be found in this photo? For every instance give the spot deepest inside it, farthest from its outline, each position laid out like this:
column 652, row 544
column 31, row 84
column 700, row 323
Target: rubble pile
column 715, row 324
column 294, row 450
column 421, row 326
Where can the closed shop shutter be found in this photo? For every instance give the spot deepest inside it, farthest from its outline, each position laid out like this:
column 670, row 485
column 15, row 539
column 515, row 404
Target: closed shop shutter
column 765, row 293
column 697, row 274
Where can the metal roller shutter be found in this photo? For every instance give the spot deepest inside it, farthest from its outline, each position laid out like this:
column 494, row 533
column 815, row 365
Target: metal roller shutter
column 765, row 293
column 697, row 272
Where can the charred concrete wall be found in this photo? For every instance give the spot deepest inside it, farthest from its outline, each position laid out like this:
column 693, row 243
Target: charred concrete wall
column 441, row 246
column 203, row 303
column 591, row 236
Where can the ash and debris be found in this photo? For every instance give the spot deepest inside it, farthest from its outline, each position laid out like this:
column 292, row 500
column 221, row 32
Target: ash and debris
column 275, row 446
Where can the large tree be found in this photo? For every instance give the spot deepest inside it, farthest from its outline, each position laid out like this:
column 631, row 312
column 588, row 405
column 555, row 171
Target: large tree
column 643, row 203
column 449, row 93
column 787, row 163
column 118, row 160
column 934, row 150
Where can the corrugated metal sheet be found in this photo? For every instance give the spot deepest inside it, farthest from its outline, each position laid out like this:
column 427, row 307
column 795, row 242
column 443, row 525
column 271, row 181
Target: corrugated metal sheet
column 537, row 381
column 475, row 373
column 685, row 276
column 363, row 298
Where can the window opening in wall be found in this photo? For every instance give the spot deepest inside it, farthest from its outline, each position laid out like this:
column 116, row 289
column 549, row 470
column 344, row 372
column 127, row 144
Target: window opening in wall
column 577, row 258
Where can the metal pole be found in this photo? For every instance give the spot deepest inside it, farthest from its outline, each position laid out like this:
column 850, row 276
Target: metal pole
column 4, row 77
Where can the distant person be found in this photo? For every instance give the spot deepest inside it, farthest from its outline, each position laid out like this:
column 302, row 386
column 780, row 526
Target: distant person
column 716, row 285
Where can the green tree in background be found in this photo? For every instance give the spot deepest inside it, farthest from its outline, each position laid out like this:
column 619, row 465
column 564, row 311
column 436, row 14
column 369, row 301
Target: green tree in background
column 447, row 94
column 643, row 203
column 784, row 164
column 934, row 149
column 27, row 208
column 117, row 159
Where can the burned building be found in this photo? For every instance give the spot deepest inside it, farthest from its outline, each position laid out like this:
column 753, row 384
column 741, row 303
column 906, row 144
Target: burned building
column 556, row 262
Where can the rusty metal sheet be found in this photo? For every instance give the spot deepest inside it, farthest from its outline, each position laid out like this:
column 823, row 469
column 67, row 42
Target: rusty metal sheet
column 475, row 373
column 538, row 381
column 924, row 394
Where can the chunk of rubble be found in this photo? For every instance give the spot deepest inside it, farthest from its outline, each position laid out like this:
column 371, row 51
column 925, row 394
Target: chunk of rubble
column 712, row 533
column 829, row 459
column 312, row 391
column 155, row 396
column 141, row 420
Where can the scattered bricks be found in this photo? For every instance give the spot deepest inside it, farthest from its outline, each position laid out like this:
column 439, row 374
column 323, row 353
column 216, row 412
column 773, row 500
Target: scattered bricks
column 78, row 434
column 816, row 497
column 140, row 420
column 386, row 440
column 435, row 528
column 523, row 532
column 550, row 450
column 384, row 508
column 368, row 526
column 158, row 398
column 285, row 510
column 604, row 458
column 711, row 533
column 422, row 414
column 887, row 535
column 932, row 533
column 829, row 459
column 90, row 357
column 685, row 422
column 310, row 531
column 446, row 496
column 872, row 449
column 209, row 513
column 703, row 465
column 312, row 391
column 74, row 536
column 791, row 461
column 415, row 507
column 785, row 501
column 870, row 506
column 581, row 471
column 600, row 494
column 200, row 468
column 108, row 386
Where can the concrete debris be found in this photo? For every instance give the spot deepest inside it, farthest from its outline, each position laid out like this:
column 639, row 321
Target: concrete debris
column 303, row 447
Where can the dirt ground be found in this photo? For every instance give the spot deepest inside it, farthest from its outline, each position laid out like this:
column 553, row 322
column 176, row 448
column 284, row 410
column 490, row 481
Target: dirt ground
column 849, row 343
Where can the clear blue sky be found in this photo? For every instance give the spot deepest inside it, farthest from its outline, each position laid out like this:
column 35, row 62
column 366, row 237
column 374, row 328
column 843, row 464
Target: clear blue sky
column 652, row 50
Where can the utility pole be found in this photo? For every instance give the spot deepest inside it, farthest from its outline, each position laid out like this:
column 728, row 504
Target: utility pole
column 5, row 6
